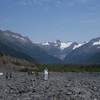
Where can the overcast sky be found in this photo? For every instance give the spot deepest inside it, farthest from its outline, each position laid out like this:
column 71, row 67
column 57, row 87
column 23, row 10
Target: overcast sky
column 48, row 20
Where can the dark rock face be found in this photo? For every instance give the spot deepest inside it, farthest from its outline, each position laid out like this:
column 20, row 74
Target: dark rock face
column 60, row 86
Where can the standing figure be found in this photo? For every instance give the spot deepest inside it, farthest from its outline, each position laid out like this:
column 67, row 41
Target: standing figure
column 8, row 75
column 45, row 74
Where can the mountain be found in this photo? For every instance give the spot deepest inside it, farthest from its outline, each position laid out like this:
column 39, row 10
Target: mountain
column 19, row 46
column 8, row 49
column 88, row 53
column 57, row 52
column 59, row 48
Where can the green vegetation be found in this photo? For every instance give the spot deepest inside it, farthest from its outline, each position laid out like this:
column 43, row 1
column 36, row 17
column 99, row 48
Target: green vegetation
column 1, row 54
column 70, row 68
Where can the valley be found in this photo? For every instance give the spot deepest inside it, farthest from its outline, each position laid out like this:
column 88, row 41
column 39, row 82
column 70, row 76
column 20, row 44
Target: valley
column 57, row 52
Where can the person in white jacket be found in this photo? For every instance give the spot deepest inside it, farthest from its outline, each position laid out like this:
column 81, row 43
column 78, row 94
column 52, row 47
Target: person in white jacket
column 45, row 74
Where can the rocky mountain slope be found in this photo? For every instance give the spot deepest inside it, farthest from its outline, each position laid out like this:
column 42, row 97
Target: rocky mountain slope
column 19, row 46
column 57, row 52
column 73, row 52
column 89, row 53
column 59, row 48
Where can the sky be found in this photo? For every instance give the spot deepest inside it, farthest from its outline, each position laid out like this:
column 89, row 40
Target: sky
column 50, row 20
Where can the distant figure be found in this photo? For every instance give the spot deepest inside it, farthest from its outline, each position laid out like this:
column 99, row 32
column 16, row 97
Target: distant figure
column 45, row 74
column 1, row 73
column 8, row 75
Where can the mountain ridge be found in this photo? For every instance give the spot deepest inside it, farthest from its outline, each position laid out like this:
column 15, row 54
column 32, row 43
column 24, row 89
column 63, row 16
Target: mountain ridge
column 27, row 47
column 57, row 52
column 59, row 48
column 86, row 53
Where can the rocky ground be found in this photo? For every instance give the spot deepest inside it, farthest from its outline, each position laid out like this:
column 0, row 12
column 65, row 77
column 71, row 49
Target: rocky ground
column 60, row 86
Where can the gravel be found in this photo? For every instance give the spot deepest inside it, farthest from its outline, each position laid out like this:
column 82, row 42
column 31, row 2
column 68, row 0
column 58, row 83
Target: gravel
column 59, row 86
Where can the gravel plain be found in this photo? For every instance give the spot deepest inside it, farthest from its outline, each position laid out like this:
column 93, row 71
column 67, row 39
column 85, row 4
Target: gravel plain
column 59, row 86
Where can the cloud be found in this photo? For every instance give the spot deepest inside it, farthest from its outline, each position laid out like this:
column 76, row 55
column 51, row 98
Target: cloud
column 53, row 2
column 40, row 2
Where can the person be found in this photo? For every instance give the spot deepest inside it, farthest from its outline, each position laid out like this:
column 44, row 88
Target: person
column 1, row 73
column 45, row 74
column 8, row 75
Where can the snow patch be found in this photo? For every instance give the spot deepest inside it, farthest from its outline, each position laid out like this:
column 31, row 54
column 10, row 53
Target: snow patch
column 65, row 45
column 19, row 37
column 46, row 43
column 77, row 46
column 97, row 43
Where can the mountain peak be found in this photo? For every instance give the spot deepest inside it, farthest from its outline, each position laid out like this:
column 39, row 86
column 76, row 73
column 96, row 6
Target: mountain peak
column 15, row 36
column 62, row 45
column 65, row 45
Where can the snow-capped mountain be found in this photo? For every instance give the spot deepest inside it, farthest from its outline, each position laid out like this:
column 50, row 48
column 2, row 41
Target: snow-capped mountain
column 62, row 45
column 59, row 44
column 59, row 48
column 73, row 52
column 56, row 52
column 87, row 53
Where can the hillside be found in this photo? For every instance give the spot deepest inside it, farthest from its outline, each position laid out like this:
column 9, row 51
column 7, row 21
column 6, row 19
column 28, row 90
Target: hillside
column 9, row 63
column 20, row 46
